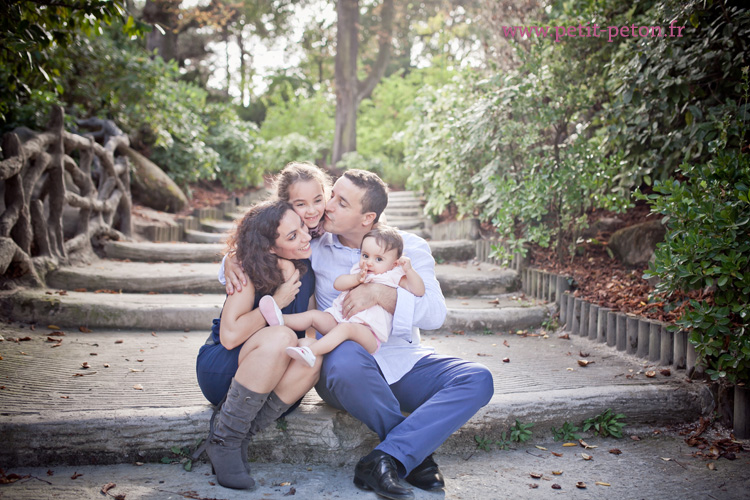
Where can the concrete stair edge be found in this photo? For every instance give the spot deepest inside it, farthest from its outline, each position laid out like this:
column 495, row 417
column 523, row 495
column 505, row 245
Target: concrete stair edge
column 317, row 433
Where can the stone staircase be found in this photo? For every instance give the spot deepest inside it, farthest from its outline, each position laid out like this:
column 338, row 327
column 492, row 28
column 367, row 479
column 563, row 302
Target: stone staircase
column 137, row 317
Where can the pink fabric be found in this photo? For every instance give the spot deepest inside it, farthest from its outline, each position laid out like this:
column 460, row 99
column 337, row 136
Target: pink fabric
column 376, row 318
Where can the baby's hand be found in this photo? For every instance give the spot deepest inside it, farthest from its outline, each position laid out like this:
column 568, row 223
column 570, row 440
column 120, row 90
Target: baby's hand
column 362, row 275
column 405, row 262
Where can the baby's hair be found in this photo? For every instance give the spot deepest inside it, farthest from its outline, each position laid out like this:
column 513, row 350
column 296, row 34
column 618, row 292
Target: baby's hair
column 297, row 171
column 387, row 237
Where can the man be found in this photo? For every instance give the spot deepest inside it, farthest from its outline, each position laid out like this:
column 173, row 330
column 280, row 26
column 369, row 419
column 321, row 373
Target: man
column 439, row 393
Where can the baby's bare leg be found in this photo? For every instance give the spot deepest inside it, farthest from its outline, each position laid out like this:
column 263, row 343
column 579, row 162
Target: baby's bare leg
column 361, row 334
column 320, row 320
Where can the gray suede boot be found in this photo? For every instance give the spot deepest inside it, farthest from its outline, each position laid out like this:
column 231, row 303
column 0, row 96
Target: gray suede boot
column 272, row 410
column 225, row 442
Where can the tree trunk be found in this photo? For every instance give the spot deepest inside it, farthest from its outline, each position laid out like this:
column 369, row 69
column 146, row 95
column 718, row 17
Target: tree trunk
column 163, row 13
column 347, row 48
column 349, row 90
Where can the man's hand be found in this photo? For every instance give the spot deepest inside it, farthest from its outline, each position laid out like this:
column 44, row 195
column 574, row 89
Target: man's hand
column 367, row 295
column 285, row 293
column 234, row 275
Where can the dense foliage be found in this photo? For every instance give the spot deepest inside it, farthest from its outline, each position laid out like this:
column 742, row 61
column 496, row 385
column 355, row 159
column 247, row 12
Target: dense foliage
column 581, row 123
column 707, row 211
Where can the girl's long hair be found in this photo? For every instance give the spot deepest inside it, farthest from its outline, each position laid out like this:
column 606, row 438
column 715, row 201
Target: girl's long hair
column 252, row 240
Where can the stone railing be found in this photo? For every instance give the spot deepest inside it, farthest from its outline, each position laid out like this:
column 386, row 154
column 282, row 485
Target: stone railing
column 59, row 190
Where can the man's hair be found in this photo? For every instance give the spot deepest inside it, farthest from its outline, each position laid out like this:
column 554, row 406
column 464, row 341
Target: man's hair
column 387, row 237
column 376, row 192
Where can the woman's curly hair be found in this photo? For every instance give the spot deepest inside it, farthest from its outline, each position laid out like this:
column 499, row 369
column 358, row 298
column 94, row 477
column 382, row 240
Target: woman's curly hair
column 252, row 240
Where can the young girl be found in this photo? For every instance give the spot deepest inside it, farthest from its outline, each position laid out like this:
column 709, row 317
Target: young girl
column 306, row 188
column 381, row 261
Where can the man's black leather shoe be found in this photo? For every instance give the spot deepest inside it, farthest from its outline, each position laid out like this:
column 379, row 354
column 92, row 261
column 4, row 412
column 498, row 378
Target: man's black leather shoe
column 377, row 472
column 426, row 476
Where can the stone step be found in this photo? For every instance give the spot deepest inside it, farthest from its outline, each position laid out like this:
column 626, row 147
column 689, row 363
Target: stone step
column 164, row 252
column 400, row 213
column 173, row 277
column 216, row 226
column 398, row 195
column 192, row 236
column 212, row 252
column 407, row 224
column 146, row 400
column 196, row 311
column 405, row 204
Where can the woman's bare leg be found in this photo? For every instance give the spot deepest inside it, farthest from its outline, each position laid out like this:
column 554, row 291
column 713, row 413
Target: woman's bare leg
column 298, row 378
column 263, row 359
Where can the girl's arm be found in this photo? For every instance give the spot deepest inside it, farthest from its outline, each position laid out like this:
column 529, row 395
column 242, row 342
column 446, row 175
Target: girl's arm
column 411, row 280
column 348, row 281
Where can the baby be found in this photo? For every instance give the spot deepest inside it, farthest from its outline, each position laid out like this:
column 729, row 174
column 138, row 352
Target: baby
column 381, row 261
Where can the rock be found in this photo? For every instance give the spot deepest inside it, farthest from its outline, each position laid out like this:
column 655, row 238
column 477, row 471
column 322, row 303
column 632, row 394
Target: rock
column 634, row 245
column 603, row 225
column 152, row 187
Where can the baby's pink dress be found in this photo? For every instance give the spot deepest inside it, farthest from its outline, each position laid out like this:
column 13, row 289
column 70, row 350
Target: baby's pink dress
column 378, row 319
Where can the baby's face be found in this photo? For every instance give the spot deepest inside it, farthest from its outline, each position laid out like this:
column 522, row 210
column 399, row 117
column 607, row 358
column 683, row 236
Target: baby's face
column 375, row 258
column 309, row 201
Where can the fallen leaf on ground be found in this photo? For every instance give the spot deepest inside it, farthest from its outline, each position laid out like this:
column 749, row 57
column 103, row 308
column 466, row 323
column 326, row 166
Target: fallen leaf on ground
column 557, row 472
column 651, row 374
column 615, row 451
column 85, row 365
column 138, row 387
column 93, row 354
column 541, row 448
column 506, row 360
column 586, row 456
column 635, row 438
column 570, row 444
column 494, row 301
column 75, row 475
column 586, row 445
column 564, row 336
column 556, row 487
column 583, row 354
column 533, row 485
column 119, row 341
column 50, row 472
column 711, row 466
column 107, row 487
column 601, row 483
column 505, row 343
column 135, row 370
column 585, row 362
column 53, row 327
column 84, row 329
column 666, row 372
column 556, row 454
column 666, row 459
column 535, row 475
column 58, row 333
column 581, row 485
column 79, row 290
column 106, row 365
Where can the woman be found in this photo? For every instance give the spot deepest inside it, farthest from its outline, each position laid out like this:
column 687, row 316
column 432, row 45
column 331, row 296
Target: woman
column 244, row 362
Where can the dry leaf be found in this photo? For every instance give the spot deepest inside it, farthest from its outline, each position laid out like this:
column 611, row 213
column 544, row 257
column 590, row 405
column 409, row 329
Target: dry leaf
column 50, row 472
column 285, row 483
column 106, row 365
column 533, row 485
column 57, row 334
column 75, row 475
column 556, row 454
column 586, row 456
column 541, row 448
column 586, row 445
column 85, row 365
column 494, row 301
column 135, row 370
column 139, row 360
column 615, row 451
column 53, row 327
column 93, row 354
column 118, row 341
column 583, row 354
column 570, row 444
column 584, row 362
column 506, row 360
column 84, row 329
column 535, row 475
column 651, row 374
column 557, row 472
column 711, row 466
column 153, row 334
column 138, row 387
column 505, row 343
column 581, row 485
column 556, row 487
column 635, row 438
column 666, row 372
column 564, row 336
column 600, row 483
column 139, row 464
column 107, row 487
column 666, row 459
column 80, row 290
